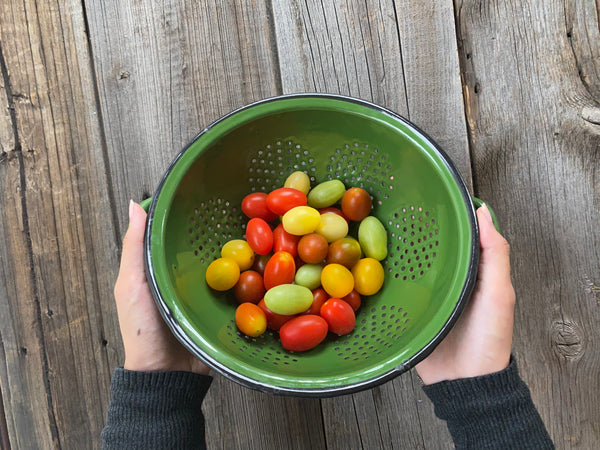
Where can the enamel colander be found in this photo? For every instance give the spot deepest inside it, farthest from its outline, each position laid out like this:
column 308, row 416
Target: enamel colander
column 418, row 195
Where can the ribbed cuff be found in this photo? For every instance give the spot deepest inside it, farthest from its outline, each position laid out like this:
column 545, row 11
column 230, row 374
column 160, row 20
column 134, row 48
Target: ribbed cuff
column 489, row 412
column 155, row 410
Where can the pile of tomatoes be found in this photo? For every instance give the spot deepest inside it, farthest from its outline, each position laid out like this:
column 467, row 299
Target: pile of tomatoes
column 299, row 272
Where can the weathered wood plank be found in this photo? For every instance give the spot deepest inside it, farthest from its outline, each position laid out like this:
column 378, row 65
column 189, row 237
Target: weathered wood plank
column 164, row 73
column 55, row 369
column 532, row 88
column 401, row 55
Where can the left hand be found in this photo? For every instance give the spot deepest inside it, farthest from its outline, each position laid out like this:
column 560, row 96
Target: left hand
column 149, row 344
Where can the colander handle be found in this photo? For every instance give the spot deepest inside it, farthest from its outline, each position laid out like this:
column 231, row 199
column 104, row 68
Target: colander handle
column 146, row 204
column 478, row 203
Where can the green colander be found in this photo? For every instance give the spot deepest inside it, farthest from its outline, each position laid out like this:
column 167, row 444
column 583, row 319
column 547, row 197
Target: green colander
column 418, row 195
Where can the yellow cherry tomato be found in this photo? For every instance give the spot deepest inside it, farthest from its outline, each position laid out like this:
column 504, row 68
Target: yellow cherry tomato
column 250, row 319
column 240, row 251
column 222, row 274
column 337, row 280
column 298, row 180
column 332, row 227
column 368, row 276
column 301, row 220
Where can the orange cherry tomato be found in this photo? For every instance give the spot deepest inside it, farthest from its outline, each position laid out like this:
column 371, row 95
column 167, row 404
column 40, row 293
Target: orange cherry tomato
column 250, row 319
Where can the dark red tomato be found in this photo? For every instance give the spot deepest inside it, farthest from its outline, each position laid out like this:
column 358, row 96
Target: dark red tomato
column 255, row 205
column 303, row 333
column 260, row 262
column 333, row 209
column 259, row 236
column 282, row 200
column 284, row 241
column 274, row 320
column 250, row 287
column 339, row 316
column 345, row 251
column 312, row 248
column 356, row 204
column 319, row 297
column 281, row 269
column 353, row 299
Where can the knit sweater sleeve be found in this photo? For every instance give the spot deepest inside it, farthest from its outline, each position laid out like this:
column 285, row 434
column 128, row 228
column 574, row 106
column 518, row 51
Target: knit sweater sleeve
column 490, row 412
column 156, row 410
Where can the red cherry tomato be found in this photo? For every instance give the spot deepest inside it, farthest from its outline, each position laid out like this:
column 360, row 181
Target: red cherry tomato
column 274, row 320
column 312, row 248
column 353, row 299
column 339, row 316
column 356, row 204
column 250, row 287
column 284, row 241
column 280, row 269
column 282, row 200
column 303, row 333
column 333, row 209
column 255, row 205
column 260, row 262
column 319, row 297
column 259, row 236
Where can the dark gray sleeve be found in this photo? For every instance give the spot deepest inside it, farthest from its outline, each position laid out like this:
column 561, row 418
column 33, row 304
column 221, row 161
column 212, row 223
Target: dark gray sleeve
column 157, row 410
column 490, row 412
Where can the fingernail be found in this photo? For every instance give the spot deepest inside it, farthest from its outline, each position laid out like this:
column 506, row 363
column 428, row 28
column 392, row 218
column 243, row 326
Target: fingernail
column 486, row 213
column 130, row 210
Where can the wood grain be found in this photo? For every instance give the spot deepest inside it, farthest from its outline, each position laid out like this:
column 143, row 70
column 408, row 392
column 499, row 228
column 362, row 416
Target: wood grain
column 532, row 91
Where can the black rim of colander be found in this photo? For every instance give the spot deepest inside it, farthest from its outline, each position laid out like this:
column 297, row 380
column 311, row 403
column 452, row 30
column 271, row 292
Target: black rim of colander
column 319, row 392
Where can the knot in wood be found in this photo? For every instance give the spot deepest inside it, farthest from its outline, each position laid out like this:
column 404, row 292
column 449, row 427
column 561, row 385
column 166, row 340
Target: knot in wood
column 566, row 339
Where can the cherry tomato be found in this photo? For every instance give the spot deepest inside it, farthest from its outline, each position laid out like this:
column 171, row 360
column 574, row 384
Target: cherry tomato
column 288, row 299
column 356, row 204
column 334, row 210
column 339, row 316
column 373, row 238
column 353, row 299
column 298, row 180
column 250, row 287
column 319, row 297
column 326, row 193
column 240, row 252
column 368, row 276
column 332, row 227
column 222, row 274
column 312, row 248
column 284, row 241
column 280, row 269
column 255, row 205
column 337, row 280
column 250, row 319
column 274, row 321
column 282, row 200
column 303, row 333
column 345, row 251
column 260, row 262
column 259, row 236
column 301, row 220
column 309, row 275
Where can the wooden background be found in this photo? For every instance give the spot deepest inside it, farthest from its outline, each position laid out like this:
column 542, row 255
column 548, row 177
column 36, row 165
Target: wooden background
column 97, row 97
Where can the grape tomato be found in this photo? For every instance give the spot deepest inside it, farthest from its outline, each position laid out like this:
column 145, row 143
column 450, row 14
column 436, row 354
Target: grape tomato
column 319, row 297
column 301, row 220
column 284, row 241
column 303, row 333
column 255, row 205
column 250, row 319
column 345, row 251
column 339, row 316
column 356, row 204
column 298, row 180
column 337, row 280
column 368, row 276
column 373, row 238
column 282, row 200
column 312, row 248
column 288, row 299
column 309, row 275
column 274, row 320
column 249, row 287
column 222, row 274
column 240, row 252
column 332, row 227
column 326, row 194
column 353, row 299
column 259, row 236
column 281, row 269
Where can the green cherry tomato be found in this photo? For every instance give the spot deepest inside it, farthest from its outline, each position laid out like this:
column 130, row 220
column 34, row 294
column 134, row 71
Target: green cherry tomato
column 373, row 238
column 326, row 194
column 288, row 299
column 309, row 275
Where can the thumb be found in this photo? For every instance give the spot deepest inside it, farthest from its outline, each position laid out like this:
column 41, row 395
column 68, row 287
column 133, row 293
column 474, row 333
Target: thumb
column 494, row 263
column 132, row 258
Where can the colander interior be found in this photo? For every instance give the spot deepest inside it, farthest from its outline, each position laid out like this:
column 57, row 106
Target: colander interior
column 416, row 196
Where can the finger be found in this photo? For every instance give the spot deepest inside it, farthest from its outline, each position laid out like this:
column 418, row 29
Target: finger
column 132, row 258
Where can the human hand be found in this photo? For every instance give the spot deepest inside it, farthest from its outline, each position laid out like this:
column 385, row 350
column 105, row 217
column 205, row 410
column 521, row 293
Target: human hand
column 480, row 341
column 149, row 344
